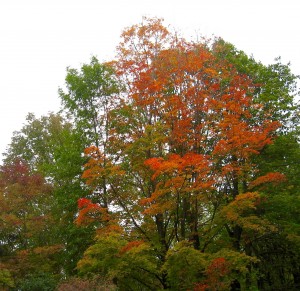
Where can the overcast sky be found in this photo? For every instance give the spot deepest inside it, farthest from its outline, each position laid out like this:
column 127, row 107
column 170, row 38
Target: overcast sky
column 39, row 39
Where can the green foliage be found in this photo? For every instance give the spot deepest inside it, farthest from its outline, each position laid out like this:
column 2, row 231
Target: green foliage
column 240, row 268
column 38, row 282
column 188, row 268
column 6, row 279
column 88, row 96
column 102, row 256
column 129, row 264
column 138, row 267
column 185, row 266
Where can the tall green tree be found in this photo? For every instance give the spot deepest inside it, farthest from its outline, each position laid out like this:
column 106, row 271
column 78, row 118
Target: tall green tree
column 88, row 98
column 90, row 95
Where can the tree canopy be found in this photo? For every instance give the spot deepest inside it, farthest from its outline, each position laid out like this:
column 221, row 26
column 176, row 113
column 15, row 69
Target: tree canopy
column 173, row 166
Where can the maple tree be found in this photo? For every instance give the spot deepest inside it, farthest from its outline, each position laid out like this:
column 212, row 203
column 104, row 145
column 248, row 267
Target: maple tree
column 187, row 134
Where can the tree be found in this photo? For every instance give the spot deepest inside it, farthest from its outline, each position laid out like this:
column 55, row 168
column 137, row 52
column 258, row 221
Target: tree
column 51, row 146
column 89, row 98
column 26, row 221
column 24, row 204
column 91, row 94
column 187, row 136
column 277, row 90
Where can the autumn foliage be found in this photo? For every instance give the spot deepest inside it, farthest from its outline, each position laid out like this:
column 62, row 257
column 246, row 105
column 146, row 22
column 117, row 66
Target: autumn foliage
column 90, row 212
column 179, row 160
column 178, row 188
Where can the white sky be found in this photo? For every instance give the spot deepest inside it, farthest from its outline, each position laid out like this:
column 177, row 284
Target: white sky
column 39, row 39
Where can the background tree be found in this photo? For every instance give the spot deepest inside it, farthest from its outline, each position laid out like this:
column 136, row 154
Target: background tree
column 277, row 90
column 51, row 146
column 27, row 243
column 91, row 94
